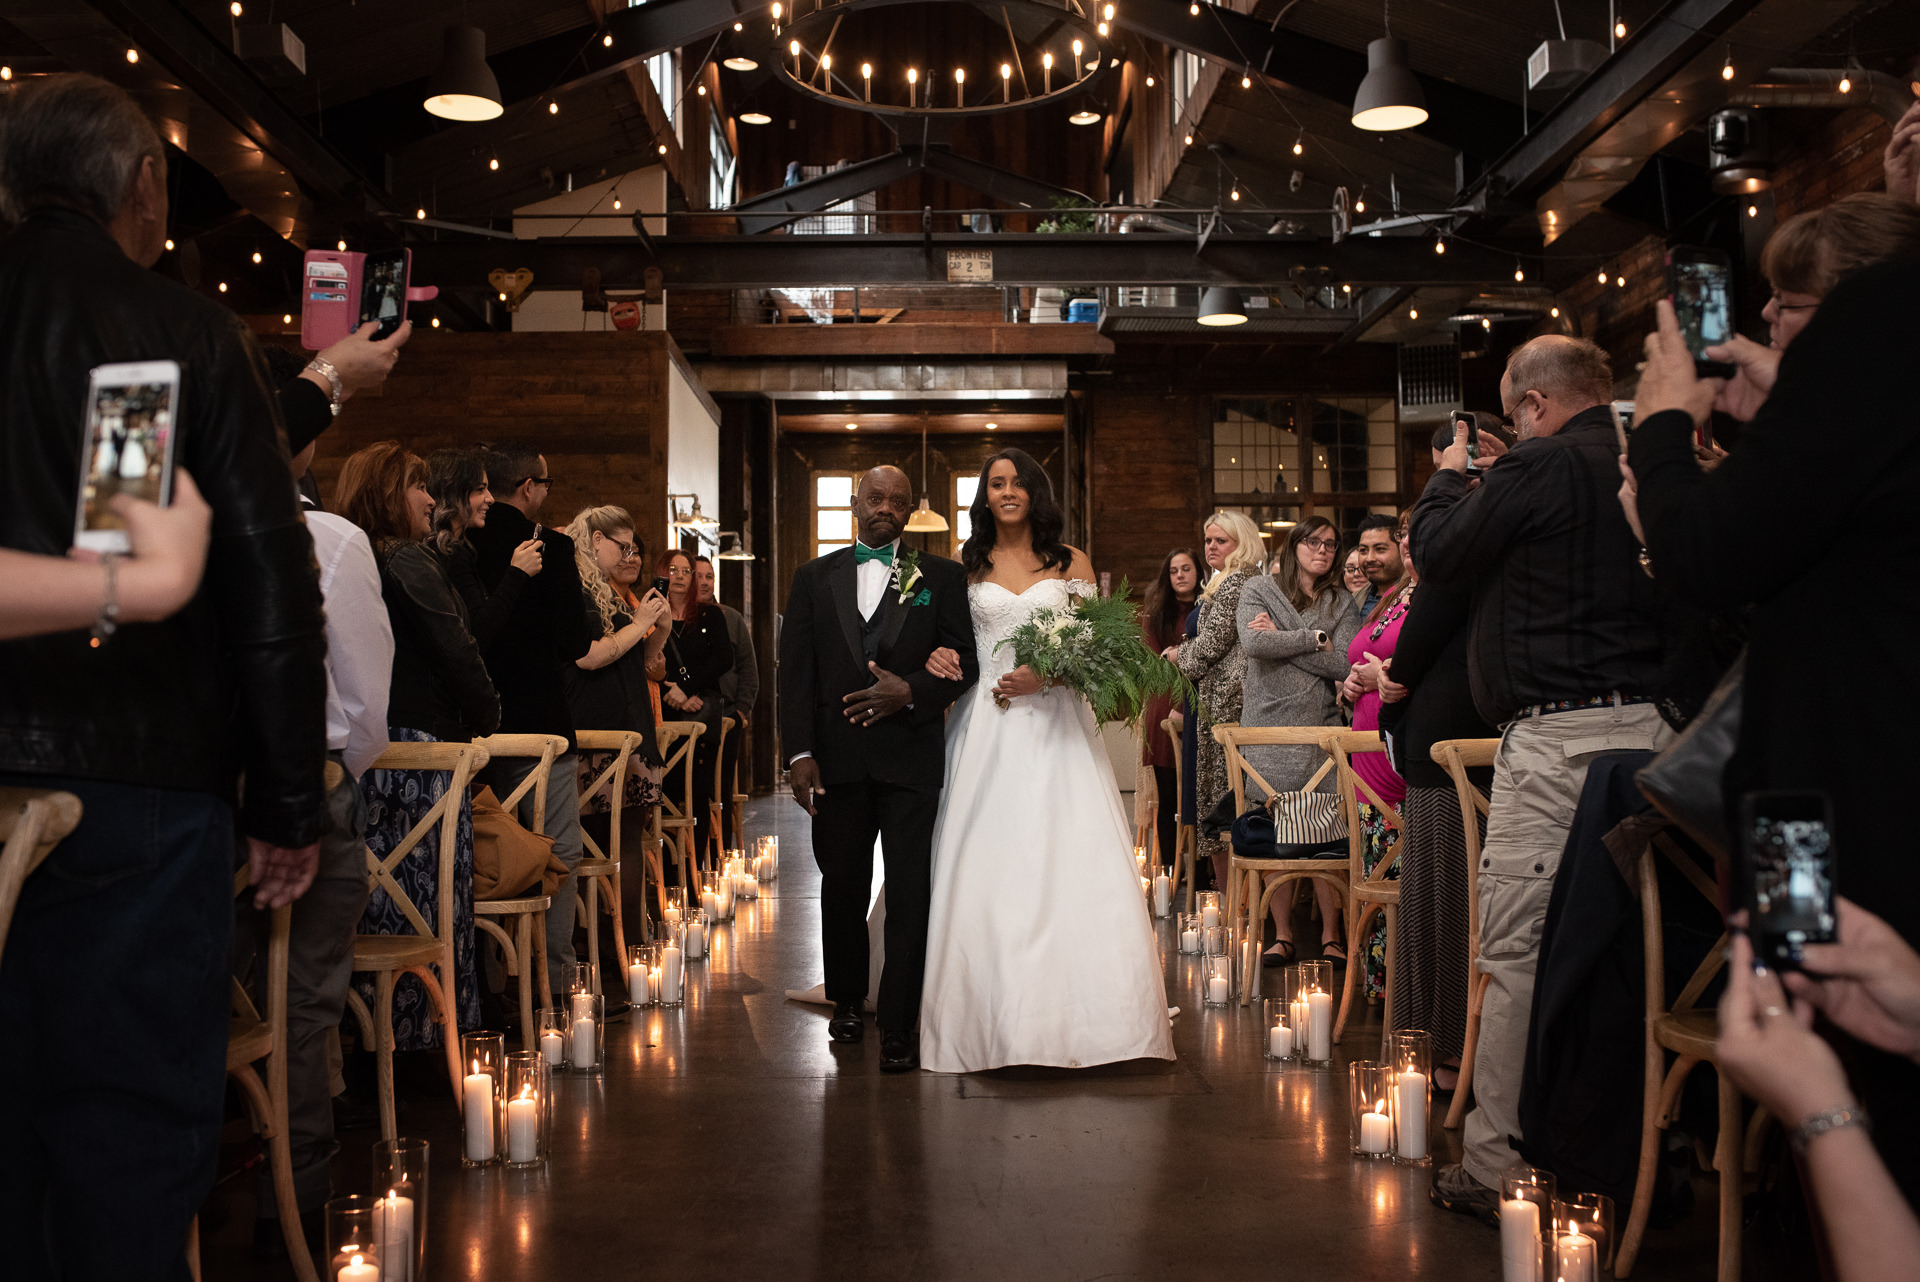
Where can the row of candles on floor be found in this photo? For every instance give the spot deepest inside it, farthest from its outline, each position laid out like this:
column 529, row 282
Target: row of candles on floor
column 384, row 1238
column 1546, row 1238
column 1157, row 887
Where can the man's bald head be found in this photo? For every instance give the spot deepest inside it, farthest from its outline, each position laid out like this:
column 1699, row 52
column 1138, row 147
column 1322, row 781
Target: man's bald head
column 882, row 500
column 1551, row 378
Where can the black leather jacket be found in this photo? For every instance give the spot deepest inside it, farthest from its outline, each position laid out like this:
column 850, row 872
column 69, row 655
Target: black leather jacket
column 440, row 684
column 235, row 678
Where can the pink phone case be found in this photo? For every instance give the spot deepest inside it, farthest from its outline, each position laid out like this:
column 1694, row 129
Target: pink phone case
column 330, row 296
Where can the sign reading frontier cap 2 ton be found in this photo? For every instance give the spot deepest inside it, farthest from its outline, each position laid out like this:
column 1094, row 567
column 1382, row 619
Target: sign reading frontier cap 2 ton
column 969, row 266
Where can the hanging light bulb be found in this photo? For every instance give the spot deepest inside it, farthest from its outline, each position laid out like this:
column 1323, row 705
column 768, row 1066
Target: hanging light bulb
column 1149, row 82
column 701, row 90
column 1486, row 324
column 1726, row 70
column 1753, row 211
column 616, row 200
column 1620, row 281
column 1107, row 13
column 436, row 322
column 6, row 73
column 1235, row 193
column 1440, row 246
column 1189, row 140
column 342, row 247
column 256, row 257
column 1603, row 277
column 133, row 55
column 553, row 109
column 1193, row 10
column 1413, row 313
column 1846, row 84
column 1619, row 31
column 1346, row 289
column 606, row 41
column 663, row 149
column 1360, row 205
column 493, row 163
column 1102, row 29
column 419, row 213
column 1554, row 312
column 234, row 8
column 739, row 26
column 1300, row 145
column 1246, row 80
column 1519, row 273
column 170, row 246
column 223, row 287
column 287, row 318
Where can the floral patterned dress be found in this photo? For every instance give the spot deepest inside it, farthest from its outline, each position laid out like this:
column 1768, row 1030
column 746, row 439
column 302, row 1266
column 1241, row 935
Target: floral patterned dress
column 1217, row 666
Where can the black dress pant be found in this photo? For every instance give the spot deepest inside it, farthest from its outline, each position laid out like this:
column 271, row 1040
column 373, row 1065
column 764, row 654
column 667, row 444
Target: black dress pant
column 1165, row 816
column 848, row 817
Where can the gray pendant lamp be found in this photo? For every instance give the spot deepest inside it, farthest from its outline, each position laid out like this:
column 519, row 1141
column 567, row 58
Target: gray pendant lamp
column 1221, row 306
column 1390, row 97
column 464, row 88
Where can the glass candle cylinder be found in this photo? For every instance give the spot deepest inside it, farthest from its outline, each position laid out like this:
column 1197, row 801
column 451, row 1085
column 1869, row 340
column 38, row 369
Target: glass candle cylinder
column 1526, row 1225
column 1372, row 1131
column 1583, row 1230
column 642, row 984
column 1140, row 860
column 766, row 857
column 746, row 884
column 553, row 1035
column 529, row 1085
column 1217, row 983
column 696, row 935
column 722, row 888
column 400, row 1206
column 1187, row 928
column 586, row 1033
column 1316, row 999
column 1279, row 1034
column 352, row 1253
column 577, row 977
column 669, row 965
column 1212, row 910
column 1410, row 1063
column 484, row 1055
column 1162, row 894
column 1213, row 941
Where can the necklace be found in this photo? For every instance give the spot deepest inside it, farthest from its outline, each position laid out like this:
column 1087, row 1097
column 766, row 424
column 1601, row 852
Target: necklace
column 1395, row 611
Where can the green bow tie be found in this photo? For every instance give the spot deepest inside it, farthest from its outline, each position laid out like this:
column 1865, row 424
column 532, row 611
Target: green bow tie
column 863, row 554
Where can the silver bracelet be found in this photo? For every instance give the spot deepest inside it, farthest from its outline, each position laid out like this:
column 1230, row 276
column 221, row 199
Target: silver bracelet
column 324, row 368
column 1834, row 1119
column 107, row 622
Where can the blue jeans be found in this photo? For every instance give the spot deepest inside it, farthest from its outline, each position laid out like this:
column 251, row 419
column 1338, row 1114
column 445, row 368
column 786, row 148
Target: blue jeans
column 113, row 1016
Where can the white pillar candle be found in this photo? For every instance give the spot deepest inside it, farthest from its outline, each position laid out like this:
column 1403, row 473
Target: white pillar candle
column 1319, row 1026
column 1162, row 895
column 1410, row 1098
column 1373, row 1132
column 553, row 1046
column 1217, row 990
column 1189, row 941
column 356, row 1269
column 673, row 918
column 709, row 904
column 653, row 985
column 696, row 941
column 1573, row 1255
column 581, row 1052
column 476, row 1098
column 393, row 1234
column 523, row 1129
column 1280, row 1041
column 670, row 974
column 637, row 984
column 1519, row 1240
column 582, row 1006
column 1209, row 917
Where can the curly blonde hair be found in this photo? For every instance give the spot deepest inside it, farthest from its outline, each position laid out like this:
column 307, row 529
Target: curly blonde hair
column 606, row 521
column 1249, row 553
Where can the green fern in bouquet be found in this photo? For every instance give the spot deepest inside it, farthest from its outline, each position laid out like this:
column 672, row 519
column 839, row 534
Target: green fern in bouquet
column 1097, row 649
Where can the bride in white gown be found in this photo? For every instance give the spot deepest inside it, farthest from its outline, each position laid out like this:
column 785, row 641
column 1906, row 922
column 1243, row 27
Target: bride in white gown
column 1040, row 949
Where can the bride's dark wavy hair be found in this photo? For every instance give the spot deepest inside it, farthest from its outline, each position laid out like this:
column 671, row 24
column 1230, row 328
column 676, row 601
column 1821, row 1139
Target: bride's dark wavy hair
column 1043, row 515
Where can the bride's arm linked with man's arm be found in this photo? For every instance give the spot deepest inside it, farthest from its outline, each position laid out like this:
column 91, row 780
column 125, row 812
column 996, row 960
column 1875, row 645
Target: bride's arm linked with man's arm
column 953, row 666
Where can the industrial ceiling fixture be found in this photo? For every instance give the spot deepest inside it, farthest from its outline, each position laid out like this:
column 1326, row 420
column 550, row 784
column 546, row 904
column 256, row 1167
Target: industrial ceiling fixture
column 740, row 62
column 1084, row 117
column 926, row 520
column 1389, row 98
column 1221, row 306
column 755, row 118
column 739, row 551
column 464, row 88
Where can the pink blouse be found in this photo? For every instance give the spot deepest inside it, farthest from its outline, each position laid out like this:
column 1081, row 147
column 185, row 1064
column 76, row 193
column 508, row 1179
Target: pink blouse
column 1378, row 638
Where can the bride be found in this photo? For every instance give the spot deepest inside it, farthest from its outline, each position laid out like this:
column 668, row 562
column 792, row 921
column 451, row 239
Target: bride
column 1039, row 946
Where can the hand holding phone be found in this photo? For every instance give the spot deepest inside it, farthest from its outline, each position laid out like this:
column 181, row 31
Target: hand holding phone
column 1700, row 285
column 661, row 585
column 127, row 447
column 1786, row 874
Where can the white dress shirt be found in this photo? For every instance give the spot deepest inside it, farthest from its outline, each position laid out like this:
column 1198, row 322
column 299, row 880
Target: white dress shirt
column 359, row 641
column 872, row 578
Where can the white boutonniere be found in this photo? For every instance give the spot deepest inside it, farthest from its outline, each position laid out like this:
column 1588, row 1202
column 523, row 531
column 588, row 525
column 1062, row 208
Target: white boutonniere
column 906, row 573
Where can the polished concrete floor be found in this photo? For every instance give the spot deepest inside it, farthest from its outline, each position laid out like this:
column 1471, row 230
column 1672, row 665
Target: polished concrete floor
column 731, row 1139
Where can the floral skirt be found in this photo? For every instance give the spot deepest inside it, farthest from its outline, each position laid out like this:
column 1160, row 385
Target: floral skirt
column 1382, row 839
column 642, row 790
column 396, row 800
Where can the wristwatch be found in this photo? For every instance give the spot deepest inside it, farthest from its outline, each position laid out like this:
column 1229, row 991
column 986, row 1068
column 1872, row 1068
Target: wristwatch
column 324, row 368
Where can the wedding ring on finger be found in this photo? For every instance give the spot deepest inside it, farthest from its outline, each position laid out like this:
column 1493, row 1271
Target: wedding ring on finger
column 1772, row 1011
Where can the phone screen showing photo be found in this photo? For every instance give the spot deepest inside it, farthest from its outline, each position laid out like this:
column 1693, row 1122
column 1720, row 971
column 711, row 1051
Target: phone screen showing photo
column 1789, row 857
column 128, row 442
column 383, row 292
column 1703, row 300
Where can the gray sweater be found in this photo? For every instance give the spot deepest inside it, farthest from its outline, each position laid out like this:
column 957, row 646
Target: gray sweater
column 1290, row 682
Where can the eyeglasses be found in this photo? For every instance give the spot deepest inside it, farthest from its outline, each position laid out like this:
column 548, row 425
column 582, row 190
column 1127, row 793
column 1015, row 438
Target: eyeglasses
column 1779, row 306
column 627, row 550
column 1320, row 545
column 546, row 480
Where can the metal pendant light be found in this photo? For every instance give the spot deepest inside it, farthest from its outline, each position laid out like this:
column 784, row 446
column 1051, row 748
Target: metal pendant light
column 925, row 520
column 1390, row 97
column 1221, row 306
column 464, row 88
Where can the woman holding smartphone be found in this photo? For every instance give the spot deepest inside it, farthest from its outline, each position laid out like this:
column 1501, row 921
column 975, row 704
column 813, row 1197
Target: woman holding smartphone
column 457, row 479
column 699, row 652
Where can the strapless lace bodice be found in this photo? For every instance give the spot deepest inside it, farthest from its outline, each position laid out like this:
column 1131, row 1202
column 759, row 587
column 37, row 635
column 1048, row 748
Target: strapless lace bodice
column 997, row 611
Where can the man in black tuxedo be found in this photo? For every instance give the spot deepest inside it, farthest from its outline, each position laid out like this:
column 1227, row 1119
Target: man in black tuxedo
column 862, row 727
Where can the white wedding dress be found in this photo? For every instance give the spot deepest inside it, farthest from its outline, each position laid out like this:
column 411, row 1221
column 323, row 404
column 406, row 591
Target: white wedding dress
column 1040, row 949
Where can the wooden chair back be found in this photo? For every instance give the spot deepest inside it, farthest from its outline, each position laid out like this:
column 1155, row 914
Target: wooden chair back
column 677, row 741
column 1456, row 757
column 1354, row 789
column 32, row 822
column 547, row 748
column 1236, row 738
column 462, row 761
column 622, row 744
column 1651, row 918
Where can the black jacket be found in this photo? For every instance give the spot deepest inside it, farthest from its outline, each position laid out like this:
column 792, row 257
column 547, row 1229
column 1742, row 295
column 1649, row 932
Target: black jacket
column 440, row 685
column 821, row 662
column 487, row 609
column 1430, row 659
column 615, row 696
column 547, row 631
column 237, row 677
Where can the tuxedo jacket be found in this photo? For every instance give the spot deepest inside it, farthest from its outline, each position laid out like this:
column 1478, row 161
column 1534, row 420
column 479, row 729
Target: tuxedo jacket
column 824, row 647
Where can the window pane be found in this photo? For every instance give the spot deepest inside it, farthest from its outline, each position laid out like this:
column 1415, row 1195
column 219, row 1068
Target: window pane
column 962, row 526
column 964, row 488
column 1255, row 447
column 833, row 525
column 833, row 491
column 821, row 549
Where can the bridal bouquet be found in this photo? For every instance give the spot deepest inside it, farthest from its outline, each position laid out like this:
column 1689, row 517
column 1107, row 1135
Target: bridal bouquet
column 1096, row 649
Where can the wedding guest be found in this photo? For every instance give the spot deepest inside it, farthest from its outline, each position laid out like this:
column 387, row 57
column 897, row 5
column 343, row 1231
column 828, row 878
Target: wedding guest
column 457, row 479
column 545, row 632
column 1379, row 561
column 1430, row 928
column 1367, row 683
column 1565, row 645
column 1215, row 663
column 739, row 685
column 1354, row 579
column 1295, row 627
column 120, row 941
column 1840, row 382
column 440, row 693
column 699, row 654
column 1901, row 160
column 1170, row 598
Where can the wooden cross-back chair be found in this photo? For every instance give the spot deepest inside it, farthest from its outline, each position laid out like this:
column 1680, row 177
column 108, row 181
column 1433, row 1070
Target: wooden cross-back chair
column 524, row 952
column 1690, row 1033
column 1253, row 883
column 427, row 954
column 597, row 865
column 716, row 848
column 1456, row 757
column 32, row 822
column 1186, row 833
column 673, row 818
column 1369, row 893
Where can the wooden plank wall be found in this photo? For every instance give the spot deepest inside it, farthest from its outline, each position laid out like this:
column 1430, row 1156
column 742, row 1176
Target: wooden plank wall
column 594, row 403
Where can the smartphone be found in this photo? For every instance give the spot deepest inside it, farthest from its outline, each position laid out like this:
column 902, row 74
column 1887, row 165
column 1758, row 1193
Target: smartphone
column 1473, row 437
column 1700, row 285
column 127, row 447
column 660, row 584
column 1622, row 420
column 383, row 290
column 1786, row 871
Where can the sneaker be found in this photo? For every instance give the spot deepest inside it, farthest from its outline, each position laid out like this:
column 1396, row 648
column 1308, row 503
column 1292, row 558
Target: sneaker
column 1455, row 1190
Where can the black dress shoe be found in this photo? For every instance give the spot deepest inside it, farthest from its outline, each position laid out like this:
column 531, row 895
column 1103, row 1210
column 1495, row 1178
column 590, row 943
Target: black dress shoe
column 897, row 1054
column 847, row 1026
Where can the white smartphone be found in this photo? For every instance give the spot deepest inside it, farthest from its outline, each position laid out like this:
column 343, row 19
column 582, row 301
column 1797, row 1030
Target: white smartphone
column 127, row 447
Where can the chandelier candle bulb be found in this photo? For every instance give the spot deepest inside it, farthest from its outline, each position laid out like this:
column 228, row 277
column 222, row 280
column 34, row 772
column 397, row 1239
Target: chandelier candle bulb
column 1046, row 73
column 866, row 79
column 913, row 87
